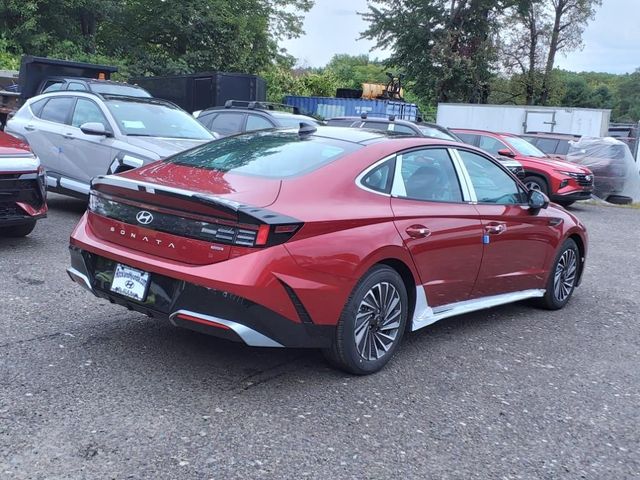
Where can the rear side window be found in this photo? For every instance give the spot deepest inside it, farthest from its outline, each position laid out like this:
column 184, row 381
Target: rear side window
column 52, row 86
column 563, row 147
column 380, row 178
column 206, row 120
column 228, row 123
column 376, row 125
column 266, row 154
column 36, row 107
column 340, row 122
column 57, row 109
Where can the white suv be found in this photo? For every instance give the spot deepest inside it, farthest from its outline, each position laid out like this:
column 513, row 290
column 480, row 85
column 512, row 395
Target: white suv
column 80, row 135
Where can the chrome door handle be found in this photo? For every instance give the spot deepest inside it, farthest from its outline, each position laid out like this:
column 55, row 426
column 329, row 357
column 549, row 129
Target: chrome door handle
column 418, row 231
column 495, row 228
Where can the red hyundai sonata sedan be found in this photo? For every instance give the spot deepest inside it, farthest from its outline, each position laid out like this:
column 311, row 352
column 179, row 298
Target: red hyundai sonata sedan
column 324, row 237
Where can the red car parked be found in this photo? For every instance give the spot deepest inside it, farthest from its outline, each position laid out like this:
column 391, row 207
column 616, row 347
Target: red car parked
column 327, row 237
column 563, row 182
column 22, row 188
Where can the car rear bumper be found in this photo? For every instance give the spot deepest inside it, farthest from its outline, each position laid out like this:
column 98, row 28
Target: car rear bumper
column 208, row 310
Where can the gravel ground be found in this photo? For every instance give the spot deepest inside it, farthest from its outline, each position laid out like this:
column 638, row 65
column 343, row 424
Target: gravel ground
column 89, row 390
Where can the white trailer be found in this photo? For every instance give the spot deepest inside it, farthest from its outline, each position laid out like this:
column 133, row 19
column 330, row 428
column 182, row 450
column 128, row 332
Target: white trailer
column 519, row 119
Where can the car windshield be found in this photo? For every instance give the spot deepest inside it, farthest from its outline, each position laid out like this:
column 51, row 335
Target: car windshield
column 525, row 148
column 275, row 154
column 154, row 119
column 115, row 89
column 436, row 133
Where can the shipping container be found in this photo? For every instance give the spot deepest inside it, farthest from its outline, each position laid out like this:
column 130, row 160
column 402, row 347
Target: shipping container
column 203, row 90
column 525, row 119
column 329, row 107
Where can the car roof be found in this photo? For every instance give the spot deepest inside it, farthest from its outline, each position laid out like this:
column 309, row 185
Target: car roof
column 104, row 97
column 554, row 136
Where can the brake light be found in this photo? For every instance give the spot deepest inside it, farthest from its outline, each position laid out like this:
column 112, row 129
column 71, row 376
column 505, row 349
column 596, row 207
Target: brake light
column 263, row 235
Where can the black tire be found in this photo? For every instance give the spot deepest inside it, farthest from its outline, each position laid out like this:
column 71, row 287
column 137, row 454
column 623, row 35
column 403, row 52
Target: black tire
column 619, row 199
column 344, row 353
column 565, row 204
column 18, row 230
column 533, row 182
column 561, row 273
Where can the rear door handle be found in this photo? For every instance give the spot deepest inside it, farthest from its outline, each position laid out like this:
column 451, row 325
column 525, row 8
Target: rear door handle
column 29, row 128
column 418, row 231
column 495, row 228
column 68, row 136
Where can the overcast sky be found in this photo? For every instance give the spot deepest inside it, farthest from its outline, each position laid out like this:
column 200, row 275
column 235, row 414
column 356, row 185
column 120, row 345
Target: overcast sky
column 612, row 40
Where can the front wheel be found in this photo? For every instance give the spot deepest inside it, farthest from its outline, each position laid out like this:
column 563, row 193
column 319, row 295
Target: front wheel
column 533, row 182
column 563, row 277
column 372, row 323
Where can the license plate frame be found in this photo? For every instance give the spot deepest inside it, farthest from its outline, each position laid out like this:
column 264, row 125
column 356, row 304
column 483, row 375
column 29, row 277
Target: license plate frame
column 130, row 282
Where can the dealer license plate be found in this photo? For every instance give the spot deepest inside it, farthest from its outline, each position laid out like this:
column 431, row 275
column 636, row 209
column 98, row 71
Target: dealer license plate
column 130, row 282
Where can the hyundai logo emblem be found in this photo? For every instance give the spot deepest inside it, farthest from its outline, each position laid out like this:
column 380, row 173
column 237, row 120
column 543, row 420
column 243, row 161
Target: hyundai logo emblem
column 143, row 217
column 129, row 284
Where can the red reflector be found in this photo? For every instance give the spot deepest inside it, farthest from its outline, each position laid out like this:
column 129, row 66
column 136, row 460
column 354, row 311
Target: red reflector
column 202, row 321
column 263, row 235
column 286, row 228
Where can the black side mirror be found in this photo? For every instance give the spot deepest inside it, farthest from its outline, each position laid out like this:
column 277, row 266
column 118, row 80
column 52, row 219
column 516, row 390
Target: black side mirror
column 505, row 152
column 537, row 200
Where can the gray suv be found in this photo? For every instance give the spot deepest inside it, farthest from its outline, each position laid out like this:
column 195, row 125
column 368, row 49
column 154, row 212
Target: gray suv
column 79, row 135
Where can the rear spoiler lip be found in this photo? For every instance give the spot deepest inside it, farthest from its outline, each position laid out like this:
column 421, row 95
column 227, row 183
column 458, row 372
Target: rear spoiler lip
column 245, row 213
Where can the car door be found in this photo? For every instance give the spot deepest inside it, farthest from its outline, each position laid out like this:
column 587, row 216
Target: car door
column 437, row 223
column 45, row 132
column 516, row 239
column 85, row 156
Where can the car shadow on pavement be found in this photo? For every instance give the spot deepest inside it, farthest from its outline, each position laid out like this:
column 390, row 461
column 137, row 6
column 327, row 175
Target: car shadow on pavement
column 69, row 204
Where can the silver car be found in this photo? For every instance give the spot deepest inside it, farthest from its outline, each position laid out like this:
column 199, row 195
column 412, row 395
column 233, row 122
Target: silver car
column 80, row 135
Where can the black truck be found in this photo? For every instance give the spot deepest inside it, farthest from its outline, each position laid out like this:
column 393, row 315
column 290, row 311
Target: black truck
column 200, row 91
column 41, row 75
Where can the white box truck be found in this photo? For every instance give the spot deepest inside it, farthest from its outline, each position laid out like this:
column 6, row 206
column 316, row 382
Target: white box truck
column 520, row 119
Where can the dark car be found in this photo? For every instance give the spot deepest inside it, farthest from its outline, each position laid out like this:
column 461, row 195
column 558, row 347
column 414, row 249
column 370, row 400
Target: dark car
column 608, row 166
column 418, row 129
column 333, row 238
column 238, row 116
column 22, row 188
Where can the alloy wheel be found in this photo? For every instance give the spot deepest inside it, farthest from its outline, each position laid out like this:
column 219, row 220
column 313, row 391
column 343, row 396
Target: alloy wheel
column 565, row 274
column 378, row 321
column 533, row 186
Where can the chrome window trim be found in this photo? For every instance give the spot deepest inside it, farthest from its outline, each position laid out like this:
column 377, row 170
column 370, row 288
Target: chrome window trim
column 468, row 192
column 365, row 172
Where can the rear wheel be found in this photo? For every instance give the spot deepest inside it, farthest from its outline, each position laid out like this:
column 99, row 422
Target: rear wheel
column 18, row 230
column 563, row 277
column 372, row 323
column 533, row 182
column 619, row 199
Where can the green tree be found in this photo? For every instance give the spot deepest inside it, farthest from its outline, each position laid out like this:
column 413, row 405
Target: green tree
column 445, row 46
column 352, row 71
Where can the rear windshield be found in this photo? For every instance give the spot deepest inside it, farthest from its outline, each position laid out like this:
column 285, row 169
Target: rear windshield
column 266, row 154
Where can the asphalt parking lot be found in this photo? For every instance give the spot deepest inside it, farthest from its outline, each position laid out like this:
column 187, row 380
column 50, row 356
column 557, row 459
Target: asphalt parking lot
column 91, row 391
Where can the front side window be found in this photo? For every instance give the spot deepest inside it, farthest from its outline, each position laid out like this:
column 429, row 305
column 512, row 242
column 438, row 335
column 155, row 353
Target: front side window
column 274, row 154
column 140, row 118
column 491, row 145
column 87, row 111
column 427, row 175
column 57, row 109
column 76, row 86
column 52, row 86
column 490, row 182
column 256, row 122
column 404, row 130
column 228, row 123
column 525, row 148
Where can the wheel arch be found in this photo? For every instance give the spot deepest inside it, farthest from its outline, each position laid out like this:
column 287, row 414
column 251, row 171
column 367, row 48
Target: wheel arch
column 409, row 281
column 583, row 252
column 543, row 176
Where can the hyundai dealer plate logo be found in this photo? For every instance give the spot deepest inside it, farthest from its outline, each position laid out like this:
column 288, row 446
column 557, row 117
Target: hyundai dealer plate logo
column 144, row 218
